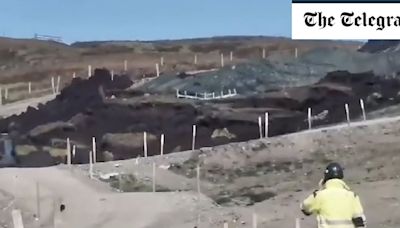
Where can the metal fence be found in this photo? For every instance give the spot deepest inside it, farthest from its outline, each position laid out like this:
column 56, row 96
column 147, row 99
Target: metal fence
column 206, row 96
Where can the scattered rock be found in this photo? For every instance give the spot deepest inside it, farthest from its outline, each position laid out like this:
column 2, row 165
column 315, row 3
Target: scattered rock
column 374, row 98
column 166, row 167
column 108, row 156
column 222, row 133
column 108, row 175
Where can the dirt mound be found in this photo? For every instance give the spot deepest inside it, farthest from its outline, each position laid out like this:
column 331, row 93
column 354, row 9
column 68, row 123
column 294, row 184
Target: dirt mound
column 338, row 88
column 81, row 96
column 39, row 126
column 326, row 97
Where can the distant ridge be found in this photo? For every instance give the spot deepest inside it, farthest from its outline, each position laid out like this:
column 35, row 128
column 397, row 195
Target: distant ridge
column 377, row 46
column 84, row 44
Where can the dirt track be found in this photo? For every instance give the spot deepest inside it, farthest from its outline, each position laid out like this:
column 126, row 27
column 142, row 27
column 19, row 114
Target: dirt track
column 90, row 204
column 355, row 147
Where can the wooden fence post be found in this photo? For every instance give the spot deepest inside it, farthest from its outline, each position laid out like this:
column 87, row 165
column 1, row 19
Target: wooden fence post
column 89, row 71
column 266, row 124
column 260, row 126
column 29, row 87
column 346, row 107
column 37, row 201
column 154, row 177
column 195, row 59
column 53, row 85
column 222, row 60
column 309, row 119
column 125, row 65
column 298, row 223
column 198, row 178
column 193, row 137
column 68, row 152
column 264, row 53
column 17, row 219
column 255, row 222
column 94, row 150
column 73, row 151
column 91, row 165
column 157, row 70
column 363, row 109
column 58, row 84
column 162, row 145
column 145, row 144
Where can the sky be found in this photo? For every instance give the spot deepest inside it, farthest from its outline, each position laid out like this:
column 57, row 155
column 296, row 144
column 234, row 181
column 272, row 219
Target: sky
column 86, row 20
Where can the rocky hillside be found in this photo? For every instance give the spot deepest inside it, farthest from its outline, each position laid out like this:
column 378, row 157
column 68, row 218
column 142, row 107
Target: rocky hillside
column 377, row 46
column 265, row 75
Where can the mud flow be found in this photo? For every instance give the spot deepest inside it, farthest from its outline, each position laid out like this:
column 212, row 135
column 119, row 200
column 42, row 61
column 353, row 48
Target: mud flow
column 118, row 116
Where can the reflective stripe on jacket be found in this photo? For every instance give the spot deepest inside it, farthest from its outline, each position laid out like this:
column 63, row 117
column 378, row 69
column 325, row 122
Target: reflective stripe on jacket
column 335, row 205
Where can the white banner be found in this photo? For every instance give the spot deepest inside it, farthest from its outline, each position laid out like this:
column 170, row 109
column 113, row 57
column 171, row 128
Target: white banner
column 351, row 21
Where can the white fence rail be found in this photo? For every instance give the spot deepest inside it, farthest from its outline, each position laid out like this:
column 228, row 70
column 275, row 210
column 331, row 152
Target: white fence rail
column 206, row 96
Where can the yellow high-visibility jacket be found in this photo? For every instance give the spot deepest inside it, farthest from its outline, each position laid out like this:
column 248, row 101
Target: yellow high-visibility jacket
column 335, row 205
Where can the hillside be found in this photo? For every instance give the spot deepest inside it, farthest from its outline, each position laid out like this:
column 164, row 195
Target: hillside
column 36, row 60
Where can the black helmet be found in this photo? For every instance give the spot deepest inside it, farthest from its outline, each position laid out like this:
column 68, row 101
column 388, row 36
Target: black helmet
column 333, row 171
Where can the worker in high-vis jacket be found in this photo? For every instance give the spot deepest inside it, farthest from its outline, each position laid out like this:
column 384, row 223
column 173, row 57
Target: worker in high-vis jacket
column 334, row 204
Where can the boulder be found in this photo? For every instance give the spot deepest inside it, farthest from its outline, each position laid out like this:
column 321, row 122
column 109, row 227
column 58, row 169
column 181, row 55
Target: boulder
column 222, row 133
column 108, row 156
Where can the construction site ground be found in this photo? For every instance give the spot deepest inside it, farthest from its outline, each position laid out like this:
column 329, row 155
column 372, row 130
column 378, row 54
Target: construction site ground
column 239, row 177
column 285, row 168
